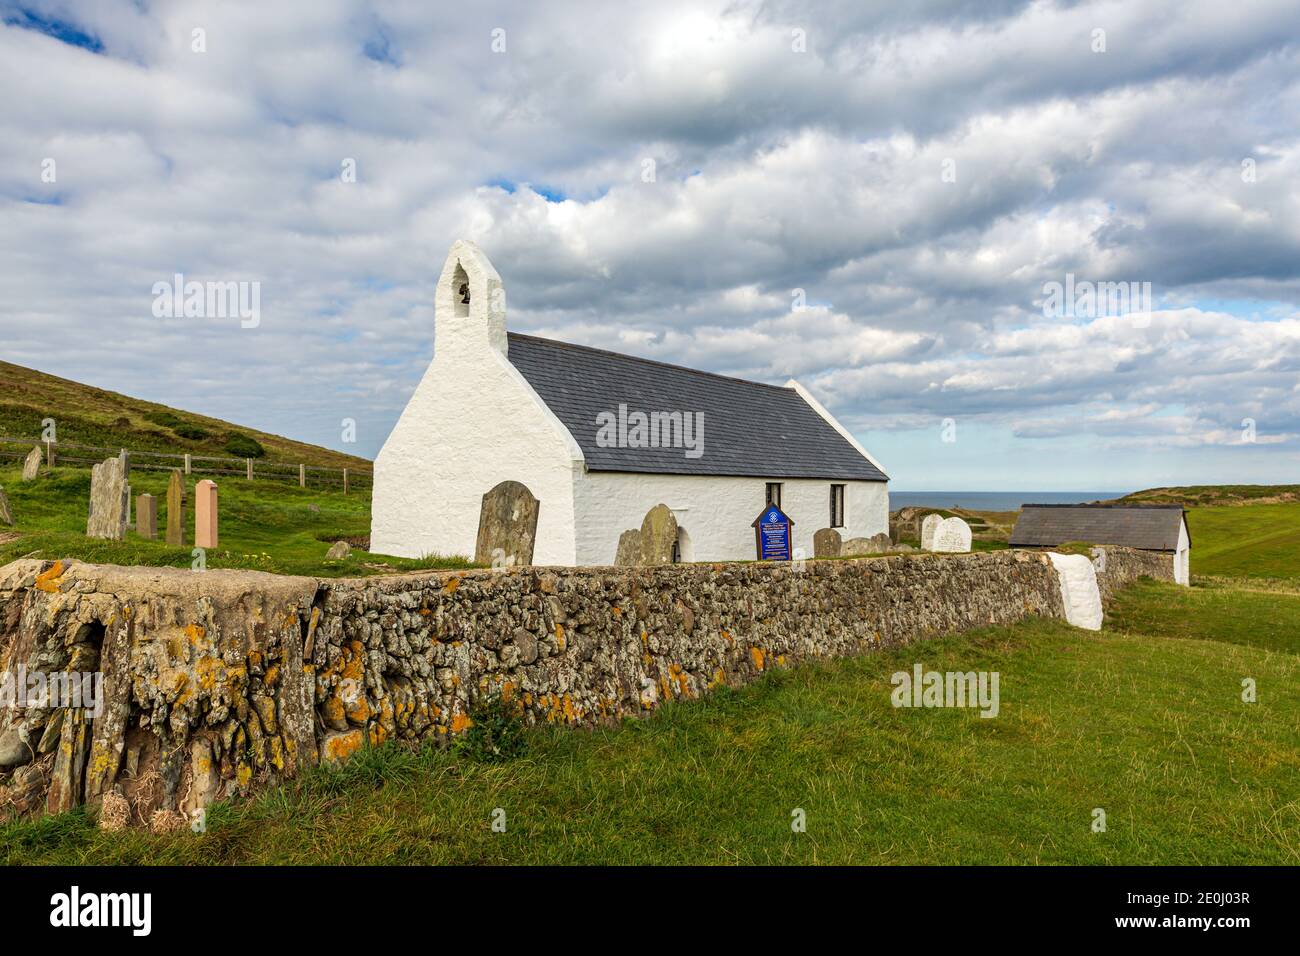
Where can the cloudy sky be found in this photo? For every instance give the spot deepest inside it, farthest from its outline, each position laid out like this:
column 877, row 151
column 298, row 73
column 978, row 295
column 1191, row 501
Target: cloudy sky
column 871, row 197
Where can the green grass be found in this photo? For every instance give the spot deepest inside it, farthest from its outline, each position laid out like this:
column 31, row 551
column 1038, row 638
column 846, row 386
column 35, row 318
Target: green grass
column 264, row 525
column 1257, row 540
column 1269, row 620
column 1143, row 720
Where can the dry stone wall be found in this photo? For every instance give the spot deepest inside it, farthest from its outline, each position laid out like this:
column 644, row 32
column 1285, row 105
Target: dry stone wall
column 217, row 682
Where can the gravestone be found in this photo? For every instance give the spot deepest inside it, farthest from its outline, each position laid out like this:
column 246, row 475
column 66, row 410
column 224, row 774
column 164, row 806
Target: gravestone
column 146, row 517
column 205, row 514
column 6, row 513
column 176, row 509
column 338, row 551
column 109, row 501
column 507, row 523
column 876, row 544
column 928, row 528
column 952, row 536
column 658, row 536
column 629, row 549
column 827, row 543
column 32, row 464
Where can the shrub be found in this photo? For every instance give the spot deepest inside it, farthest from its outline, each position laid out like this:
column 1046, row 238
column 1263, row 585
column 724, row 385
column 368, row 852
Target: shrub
column 244, row 446
column 495, row 733
column 165, row 419
column 192, row 432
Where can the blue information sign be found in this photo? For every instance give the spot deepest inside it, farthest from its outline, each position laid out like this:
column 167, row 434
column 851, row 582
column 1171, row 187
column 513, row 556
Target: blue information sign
column 772, row 534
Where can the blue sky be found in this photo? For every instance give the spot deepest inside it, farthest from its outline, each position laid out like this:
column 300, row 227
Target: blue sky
column 672, row 180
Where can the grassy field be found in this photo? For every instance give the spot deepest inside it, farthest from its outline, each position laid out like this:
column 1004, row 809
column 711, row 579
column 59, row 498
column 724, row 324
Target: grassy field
column 1144, row 720
column 1258, row 540
column 94, row 416
column 265, row 525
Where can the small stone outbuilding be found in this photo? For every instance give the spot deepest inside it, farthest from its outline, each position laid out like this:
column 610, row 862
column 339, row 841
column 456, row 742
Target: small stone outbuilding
column 1144, row 527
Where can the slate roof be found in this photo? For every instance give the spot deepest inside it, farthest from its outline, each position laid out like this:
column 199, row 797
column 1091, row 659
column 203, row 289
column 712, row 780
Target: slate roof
column 1147, row 527
column 750, row 429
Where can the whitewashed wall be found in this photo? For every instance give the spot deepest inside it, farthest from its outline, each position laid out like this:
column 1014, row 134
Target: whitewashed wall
column 1182, row 557
column 716, row 513
column 474, row 421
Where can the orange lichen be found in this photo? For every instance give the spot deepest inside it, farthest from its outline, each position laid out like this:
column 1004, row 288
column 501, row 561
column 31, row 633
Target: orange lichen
column 460, row 722
column 49, row 580
column 759, row 656
column 559, row 635
column 451, row 586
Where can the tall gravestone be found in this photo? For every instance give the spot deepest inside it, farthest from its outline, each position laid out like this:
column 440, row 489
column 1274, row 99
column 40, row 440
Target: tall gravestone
column 205, row 514
column 32, row 464
column 146, row 517
column 658, row 536
column 507, row 526
column 6, row 513
column 928, row 528
column 109, row 501
column 176, row 509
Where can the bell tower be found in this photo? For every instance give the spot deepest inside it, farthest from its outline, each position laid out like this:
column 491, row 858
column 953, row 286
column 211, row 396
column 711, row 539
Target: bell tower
column 469, row 304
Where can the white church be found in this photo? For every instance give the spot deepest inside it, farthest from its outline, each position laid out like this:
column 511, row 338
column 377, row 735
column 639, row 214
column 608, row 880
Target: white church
column 599, row 439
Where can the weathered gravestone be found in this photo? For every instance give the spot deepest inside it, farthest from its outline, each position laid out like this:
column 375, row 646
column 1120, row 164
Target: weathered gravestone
column 827, row 543
column 928, row 528
column 629, row 549
column 952, row 536
column 110, row 501
column 876, row 544
column 176, row 509
column 338, row 551
column 658, row 536
column 6, row 513
column 32, row 464
column 507, row 526
column 146, row 517
column 205, row 514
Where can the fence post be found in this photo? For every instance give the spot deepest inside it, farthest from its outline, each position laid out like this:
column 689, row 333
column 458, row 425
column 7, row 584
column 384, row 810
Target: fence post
column 302, row 476
column 248, row 462
column 345, row 481
column 187, row 463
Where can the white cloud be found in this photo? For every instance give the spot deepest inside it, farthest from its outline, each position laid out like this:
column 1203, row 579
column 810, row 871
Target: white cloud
column 775, row 170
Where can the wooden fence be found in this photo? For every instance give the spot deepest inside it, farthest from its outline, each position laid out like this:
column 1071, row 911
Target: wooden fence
column 74, row 455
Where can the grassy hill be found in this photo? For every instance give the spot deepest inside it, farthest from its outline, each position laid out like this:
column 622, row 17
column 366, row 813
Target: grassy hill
column 1195, row 496
column 268, row 525
column 94, row 416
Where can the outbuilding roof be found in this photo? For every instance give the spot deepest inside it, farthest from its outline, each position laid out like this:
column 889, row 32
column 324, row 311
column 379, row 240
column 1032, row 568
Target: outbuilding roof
column 750, row 429
column 1147, row 527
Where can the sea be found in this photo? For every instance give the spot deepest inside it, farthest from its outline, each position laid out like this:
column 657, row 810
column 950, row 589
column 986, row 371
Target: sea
column 993, row 500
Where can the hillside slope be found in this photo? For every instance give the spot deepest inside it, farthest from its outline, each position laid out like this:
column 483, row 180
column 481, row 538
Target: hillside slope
column 94, row 416
column 1192, row 496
